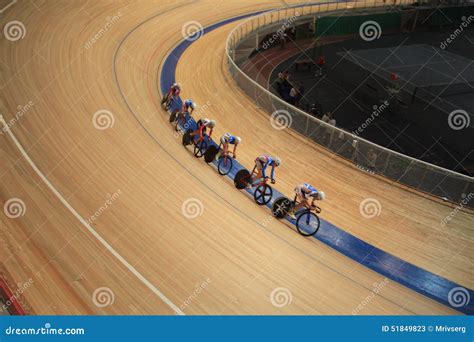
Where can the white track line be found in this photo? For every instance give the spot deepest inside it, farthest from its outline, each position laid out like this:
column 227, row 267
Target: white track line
column 124, row 262
column 8, row 6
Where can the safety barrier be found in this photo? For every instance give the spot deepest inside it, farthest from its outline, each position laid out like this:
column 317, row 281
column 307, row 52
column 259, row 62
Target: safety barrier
column 409, row 171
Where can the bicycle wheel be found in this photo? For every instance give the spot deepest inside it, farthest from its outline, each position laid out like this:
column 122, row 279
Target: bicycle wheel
column 224, row 165
column 242, row 179
column 263, row 194
column 211, row 153
column 307, row 223
column 200, row 149
column 173, row 116
column 187, row 137
column 281, row 207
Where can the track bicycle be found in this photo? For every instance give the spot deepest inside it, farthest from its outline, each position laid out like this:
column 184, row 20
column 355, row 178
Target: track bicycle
column 263, row 192
column 307, row 219
column 200, row 143
column 224, row 160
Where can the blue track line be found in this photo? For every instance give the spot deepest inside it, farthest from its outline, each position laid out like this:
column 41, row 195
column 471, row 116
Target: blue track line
column 388, row 265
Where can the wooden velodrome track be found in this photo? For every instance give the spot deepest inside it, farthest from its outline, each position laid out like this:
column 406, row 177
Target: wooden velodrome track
column 152, row 257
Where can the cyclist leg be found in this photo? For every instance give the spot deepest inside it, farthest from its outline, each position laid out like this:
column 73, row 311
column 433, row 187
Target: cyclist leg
column 234, row 151
column 221, row 144
column 302, row 201
column 164, row 99
column 258, row 167
column 226, row 148
column 198, row 130
column 169, row 100
column 183, row 118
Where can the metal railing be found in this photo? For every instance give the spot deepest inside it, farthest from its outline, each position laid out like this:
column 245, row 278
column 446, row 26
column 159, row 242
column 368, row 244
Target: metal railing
column 368, row 156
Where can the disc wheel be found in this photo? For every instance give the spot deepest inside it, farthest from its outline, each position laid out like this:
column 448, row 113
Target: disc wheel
column 200, row 148
column 281, row 207
column 224, row 165
column 242, row 179
column 308, row 223
column 263, row 194
column 211, row 153
column 187, row 137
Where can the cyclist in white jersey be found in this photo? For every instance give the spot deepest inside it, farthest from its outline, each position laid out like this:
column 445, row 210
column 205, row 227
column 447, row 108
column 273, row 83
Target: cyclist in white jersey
column 229, row 139
column 303, row 193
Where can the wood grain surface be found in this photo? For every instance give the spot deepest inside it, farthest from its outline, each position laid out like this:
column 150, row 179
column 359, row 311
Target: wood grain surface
column 131, row 180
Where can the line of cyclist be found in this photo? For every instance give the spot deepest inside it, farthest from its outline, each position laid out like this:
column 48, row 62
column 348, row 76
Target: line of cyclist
column 305, row 192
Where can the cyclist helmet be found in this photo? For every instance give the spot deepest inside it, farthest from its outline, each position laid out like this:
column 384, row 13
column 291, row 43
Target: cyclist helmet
column 238, row 140
column 212, row 123
column 321, row 195
column 191, row 104
column 177, row 85
column 277, row 161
